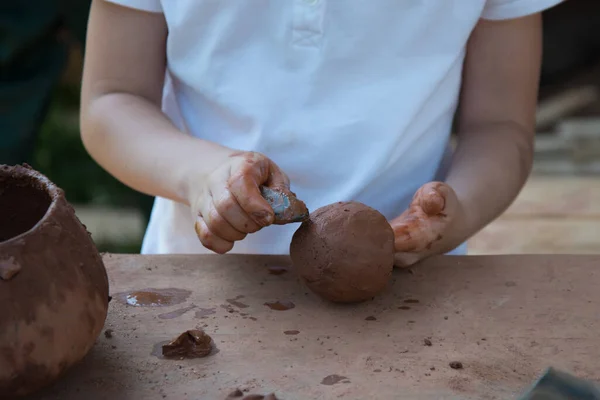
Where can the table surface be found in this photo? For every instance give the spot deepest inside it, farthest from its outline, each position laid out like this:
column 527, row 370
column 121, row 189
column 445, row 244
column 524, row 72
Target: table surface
column 505, row 318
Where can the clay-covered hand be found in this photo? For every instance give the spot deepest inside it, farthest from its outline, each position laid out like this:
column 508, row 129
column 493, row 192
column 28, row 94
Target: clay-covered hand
column 228, row 203
column 427, row 227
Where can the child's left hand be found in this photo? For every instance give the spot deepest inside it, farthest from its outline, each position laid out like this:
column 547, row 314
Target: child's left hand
column 429, row 225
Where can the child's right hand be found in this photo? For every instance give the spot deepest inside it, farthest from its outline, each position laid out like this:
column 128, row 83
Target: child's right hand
column 229, row 205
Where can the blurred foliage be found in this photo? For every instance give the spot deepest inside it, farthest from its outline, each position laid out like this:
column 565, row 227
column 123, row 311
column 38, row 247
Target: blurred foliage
column 60, row 155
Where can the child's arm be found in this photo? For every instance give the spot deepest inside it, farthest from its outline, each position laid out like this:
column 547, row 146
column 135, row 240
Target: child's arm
column 496, row 123
column 124, row 130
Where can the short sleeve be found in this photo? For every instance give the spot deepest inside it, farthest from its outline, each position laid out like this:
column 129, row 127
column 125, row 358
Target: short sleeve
column 144, row 5
column 508, row 9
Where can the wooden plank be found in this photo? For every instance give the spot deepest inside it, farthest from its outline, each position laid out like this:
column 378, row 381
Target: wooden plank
column 552, row 110
column 552, row 197
column 538, row 236
column 505, row 318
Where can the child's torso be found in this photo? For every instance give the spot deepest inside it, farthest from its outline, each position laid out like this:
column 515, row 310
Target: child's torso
column 353, row 99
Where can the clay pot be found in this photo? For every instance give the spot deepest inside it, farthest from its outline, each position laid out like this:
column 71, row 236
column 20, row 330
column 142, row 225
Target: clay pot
column 53, row 284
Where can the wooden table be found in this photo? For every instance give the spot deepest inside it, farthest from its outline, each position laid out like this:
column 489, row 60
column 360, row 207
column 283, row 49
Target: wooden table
column 505, row 318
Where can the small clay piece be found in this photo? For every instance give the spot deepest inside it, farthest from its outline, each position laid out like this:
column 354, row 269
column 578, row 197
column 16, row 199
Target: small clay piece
column 239, row 395
column 108, row 333
column 427, row 342
column 344, row 252
column 190, row 344
column 53, row 284
column 456, row 365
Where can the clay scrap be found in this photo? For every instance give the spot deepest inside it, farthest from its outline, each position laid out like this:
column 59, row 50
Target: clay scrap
column 193, row 343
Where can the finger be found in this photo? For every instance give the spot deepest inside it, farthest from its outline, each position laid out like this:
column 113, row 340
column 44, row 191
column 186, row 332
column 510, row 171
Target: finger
column 209, row 240
column 229, row 209
column 407, row 234
column 220, row 227
column 415, row 233
column 244, row 186
column 277, row 178
column 432, row 197
column 405, row 260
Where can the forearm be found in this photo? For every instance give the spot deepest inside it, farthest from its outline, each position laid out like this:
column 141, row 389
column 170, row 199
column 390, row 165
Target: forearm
column 489, row 168
column 134, row 141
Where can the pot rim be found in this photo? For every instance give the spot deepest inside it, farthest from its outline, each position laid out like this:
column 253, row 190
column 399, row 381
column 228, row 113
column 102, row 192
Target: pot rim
column 55, row 193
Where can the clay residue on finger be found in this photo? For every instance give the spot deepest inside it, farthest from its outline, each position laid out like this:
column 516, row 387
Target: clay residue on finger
column 286, row 206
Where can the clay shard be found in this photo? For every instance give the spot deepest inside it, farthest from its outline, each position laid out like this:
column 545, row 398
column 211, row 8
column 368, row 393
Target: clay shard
column 193, row 343
column 344, row 252
column 286, row 206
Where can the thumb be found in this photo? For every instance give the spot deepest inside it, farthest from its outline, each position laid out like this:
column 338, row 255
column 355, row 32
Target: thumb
column 436, row 198
column 277, row 179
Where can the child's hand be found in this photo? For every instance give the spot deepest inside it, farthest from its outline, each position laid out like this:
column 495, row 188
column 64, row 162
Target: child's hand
column 427, row 226
column 229, row 204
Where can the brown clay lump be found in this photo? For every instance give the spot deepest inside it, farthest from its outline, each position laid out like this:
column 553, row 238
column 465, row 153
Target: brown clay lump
column 344, row 252
column 190, row 344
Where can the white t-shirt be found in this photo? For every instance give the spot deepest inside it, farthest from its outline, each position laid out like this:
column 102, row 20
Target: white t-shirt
column 353, row 99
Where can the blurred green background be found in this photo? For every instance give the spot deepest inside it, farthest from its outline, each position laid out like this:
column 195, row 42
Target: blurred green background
column 60, row 155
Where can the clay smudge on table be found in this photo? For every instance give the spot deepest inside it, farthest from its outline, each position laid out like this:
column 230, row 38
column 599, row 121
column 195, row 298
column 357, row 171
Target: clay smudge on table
column 235, row 302
column 205, row 312
column 371, row 318
column 294, row 332
column 153, row 297
column 276, row 270
column 176, row 313
column 412, row 301
column 239, row 395
column 281, row 305
column 332, row 379
column 456, row 365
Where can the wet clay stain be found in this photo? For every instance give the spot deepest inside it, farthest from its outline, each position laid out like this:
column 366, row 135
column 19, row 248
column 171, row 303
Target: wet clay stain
column 280, row 305
column 371, row 318
column 176, row 313
column 291, row 332
column 277, row 270
column 238, row 304
column 153, row 297
column 332, row 379
column 204, row 312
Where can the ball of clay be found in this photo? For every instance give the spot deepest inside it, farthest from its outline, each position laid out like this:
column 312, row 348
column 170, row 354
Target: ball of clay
column 53, row 284
column 344, row 252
